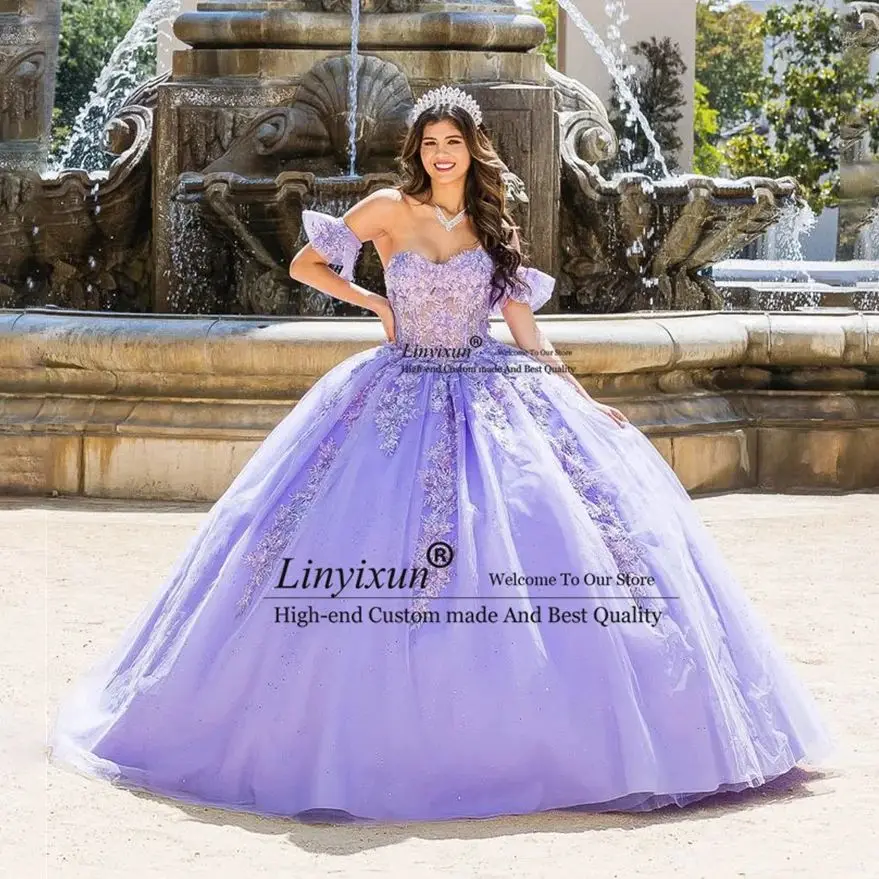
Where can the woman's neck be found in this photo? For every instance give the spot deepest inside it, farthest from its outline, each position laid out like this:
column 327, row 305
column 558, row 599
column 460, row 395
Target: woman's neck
column 450, row 197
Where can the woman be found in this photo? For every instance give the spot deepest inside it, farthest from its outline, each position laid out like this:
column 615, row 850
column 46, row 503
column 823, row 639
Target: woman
column 449, row 583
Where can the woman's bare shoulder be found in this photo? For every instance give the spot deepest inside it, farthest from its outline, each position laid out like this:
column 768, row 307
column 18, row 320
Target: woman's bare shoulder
column 375, row 214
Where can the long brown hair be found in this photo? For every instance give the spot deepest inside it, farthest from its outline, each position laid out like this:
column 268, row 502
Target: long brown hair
column 485, row 194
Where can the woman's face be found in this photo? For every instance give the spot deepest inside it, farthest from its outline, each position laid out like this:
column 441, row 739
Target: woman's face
column 444, row 151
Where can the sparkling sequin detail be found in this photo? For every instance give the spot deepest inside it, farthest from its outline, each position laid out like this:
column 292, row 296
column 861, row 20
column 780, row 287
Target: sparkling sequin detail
column 491, row 408
column 440, row 498
column 397, row 408
column 596, row 497
column 289, row 516
column 333, row 239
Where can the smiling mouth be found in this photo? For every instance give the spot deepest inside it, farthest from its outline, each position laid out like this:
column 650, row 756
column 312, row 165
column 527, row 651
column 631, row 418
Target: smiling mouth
column 444, row 166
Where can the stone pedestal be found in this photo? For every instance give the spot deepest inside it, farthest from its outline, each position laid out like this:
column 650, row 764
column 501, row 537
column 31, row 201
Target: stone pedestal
column 28, row 57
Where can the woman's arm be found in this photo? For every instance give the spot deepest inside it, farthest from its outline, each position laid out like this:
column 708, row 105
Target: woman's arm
column 531, row 338
column 367, row 220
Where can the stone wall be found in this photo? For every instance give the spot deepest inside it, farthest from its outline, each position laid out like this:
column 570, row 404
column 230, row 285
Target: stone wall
column 171, row 407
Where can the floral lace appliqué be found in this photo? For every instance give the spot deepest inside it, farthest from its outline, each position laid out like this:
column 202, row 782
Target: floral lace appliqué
column 596, row 497
column 490, row 408
column 333, row 239
column 289, row 515
column 397, row 408
column 439, row 304
column 440, row 498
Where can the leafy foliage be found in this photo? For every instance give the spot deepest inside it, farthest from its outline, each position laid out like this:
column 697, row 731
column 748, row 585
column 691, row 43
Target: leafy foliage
column 90, row 30
column 729, row 59
column 811, row 89
column 658, row 88
column 547, row 11
column 707, row 158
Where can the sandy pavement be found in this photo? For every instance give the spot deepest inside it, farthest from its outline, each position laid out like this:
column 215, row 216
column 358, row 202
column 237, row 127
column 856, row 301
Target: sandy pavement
column 76, row 570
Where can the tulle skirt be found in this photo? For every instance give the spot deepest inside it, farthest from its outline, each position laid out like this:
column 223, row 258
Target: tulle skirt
column 442, row 594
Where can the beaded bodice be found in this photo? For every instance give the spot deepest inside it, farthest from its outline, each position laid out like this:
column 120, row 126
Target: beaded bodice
column 439, row 303
column 436, row 407
column 435, row 304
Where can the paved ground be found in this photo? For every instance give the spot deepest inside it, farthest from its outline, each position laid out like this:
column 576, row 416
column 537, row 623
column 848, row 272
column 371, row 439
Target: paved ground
column 74, row 571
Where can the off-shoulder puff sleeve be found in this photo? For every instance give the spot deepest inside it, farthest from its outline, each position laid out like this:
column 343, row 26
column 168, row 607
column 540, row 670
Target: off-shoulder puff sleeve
column 533, row 287
column 333, row 239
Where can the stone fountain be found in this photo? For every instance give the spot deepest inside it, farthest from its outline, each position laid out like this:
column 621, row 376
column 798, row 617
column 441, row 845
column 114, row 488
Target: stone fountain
column 200, row 210
column 71, row 238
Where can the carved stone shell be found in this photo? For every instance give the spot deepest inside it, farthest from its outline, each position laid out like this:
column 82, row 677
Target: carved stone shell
column 383, row 93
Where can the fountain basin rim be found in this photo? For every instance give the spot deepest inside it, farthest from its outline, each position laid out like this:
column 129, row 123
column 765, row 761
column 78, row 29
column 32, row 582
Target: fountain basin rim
column 720, row 188
column 59, row 178
column 555, row 318
column 839, row 273
column 744, row 190
column 736, row 402
column 67, row 352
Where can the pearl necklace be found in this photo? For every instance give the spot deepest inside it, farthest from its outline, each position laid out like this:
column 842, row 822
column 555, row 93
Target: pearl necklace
column 449, row 224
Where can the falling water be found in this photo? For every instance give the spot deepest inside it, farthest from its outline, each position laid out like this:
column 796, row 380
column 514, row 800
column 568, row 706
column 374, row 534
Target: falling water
column 352, row 90
column 794, row 225
column 122, row 74
column 785, row 245
column 619, row 78
column 870, row 236
column 193, row 261
column 616, row 18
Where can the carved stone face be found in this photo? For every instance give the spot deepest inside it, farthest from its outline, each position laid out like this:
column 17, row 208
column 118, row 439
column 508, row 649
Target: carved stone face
column 443, row 143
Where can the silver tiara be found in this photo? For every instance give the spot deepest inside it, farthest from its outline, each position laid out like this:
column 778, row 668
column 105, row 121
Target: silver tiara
column 445, row 96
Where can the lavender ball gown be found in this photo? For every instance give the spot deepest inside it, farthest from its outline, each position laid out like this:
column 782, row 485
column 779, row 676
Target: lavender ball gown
column 463, row 691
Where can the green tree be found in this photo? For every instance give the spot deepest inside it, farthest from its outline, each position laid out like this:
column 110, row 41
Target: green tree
column 729, row 59
column 90, row 30
column 658, row 87
column 707, row 158
column 810, row 88
column 548, row 11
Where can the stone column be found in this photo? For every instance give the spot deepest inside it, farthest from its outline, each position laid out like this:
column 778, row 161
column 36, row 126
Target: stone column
column 292, row 59
column 28, row 58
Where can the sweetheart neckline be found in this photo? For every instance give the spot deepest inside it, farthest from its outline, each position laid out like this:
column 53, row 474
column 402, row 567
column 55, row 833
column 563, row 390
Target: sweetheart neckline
column 477, row 247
